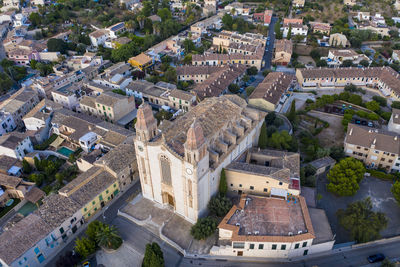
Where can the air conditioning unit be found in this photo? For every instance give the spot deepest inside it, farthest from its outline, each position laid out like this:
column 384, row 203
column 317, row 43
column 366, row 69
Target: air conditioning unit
column 256, row 232
column 237, row 224
column 299, row 232
column 290, row 234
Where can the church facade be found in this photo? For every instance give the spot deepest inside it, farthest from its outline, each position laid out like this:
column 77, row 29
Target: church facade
column 180, row 161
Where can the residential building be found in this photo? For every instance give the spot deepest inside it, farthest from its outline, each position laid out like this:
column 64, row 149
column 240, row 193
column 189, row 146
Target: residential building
column 319, row 27
column 350, row 2
column 338, row 40
column 264, row 18
column 197, row 74
column 265, row 172
column 217, row 83
column 92, row 190
column 272, row 93
column 394, row 122
column 283, row 52
column 20, row 20
column 237, row 8
column 383, row 79
column 19, row 104
column 383, row 31
column 141, row 61
column 98, row 37
column 109, row 106
column 12, row 187
column 376, row 148
column 337, row 57
column 69, row 96
column 298, row 3
column 15, row 145
column 10, row 4
column 322, row 165
column 121, row 163
column 273, row 227
column 211, row 59
column 7, row 123
column 396, row 56
column 39, row 119
column 161, row 97
column 397, row 5
column 196, row 146
column 116, row 30
column 116, row 43
column 296, row 29
column 117, row 76
column 8, row 163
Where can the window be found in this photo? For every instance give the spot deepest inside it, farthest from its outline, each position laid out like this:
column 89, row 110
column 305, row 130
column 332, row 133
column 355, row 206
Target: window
column 115, row 185
column 251, row 187
column 231, row 184
column 41, row 258
column 304, row 244
column 93, row 202
column 238, row 245
column 251, row 246
column 95, row 209
column 280, row 183
column 36, row 250
column 296, row 246
column 261, row 246
column 265, row 189
column 61, row 230
column 283, row 247
column 240, row 185
column 85, row 209
column 274, row 246
column 106, row 191
column 165, row 170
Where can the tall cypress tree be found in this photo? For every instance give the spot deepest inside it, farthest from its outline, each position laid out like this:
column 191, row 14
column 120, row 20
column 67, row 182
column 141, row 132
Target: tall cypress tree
column 262, row 139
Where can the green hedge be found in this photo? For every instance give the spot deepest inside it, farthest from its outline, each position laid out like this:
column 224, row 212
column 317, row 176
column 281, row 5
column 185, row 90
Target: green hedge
column 45, row 144
column 381, row 175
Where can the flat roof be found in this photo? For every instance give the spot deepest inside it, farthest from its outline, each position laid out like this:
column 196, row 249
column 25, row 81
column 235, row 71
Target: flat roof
column 266, row 219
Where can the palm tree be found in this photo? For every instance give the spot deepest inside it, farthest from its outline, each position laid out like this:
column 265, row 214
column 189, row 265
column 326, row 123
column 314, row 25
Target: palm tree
column 141, row 20
column 108, row 237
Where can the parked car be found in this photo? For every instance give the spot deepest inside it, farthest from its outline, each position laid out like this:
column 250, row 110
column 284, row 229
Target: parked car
column 376, row 258
column 370, row 124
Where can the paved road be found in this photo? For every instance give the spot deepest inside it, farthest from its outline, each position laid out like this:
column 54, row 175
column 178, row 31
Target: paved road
column 268, row 53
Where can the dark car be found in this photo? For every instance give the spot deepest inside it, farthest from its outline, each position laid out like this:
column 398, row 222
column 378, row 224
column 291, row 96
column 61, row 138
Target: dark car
column 364, row 123
column 376, row 258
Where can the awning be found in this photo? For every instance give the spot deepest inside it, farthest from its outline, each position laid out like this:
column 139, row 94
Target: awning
column 56, row 143
column 278, row 192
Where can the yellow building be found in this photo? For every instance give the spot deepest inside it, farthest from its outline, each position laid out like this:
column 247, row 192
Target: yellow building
column 265, row 172
column 141, row 61
column 92, row 189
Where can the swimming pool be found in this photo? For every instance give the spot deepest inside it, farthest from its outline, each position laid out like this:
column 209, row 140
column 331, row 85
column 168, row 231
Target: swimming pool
column 65, row 151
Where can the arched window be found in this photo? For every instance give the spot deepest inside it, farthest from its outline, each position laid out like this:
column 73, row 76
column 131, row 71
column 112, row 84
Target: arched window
column 165, row 170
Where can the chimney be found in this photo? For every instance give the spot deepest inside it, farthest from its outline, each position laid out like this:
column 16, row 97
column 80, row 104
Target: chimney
column 351, row 131
column 395, row 138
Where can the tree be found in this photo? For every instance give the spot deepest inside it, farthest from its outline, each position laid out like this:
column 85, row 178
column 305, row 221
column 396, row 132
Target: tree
column 233, row 88
column 203, row 228
column 153, row 256
column 315, row 54
column 372, row 105
column 396, row 191
column 164, row 14
column 266, row 72
column 227, row 21
column 270, row 118
column 187, row 59
column 289, row 34
column 6, row 83
column 85, row 247
column 108, row 237
column 57, row 45
column 252, row 71
column 93, row 228
column 361, row 221
column 250, row 90
column 364, row 63
column 223, row 186
column 37, row 178
column 387, row 263
column 26, row 167
column 292, row 113
column 280, row 140
column 262, row 139
column 35, row 19
column 219, row 205
column 347, row 63
column 345, row 176
column 337, row 153
column 381, row 100
column 189, row 46
column 396, row 104
column 355, row 99
column 277, row 29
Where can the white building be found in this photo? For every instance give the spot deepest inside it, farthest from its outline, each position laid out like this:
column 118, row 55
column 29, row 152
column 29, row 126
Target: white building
column 296, row 29
column 87, row 141
column 15, row 145
column 68, row 96
column 394, row 122
column 20, row 20
column 196, row 146
column 272, row 227
column 98, row 37
column 10, row 4
column 7, row 123
column 117, row 76
column 337, row 57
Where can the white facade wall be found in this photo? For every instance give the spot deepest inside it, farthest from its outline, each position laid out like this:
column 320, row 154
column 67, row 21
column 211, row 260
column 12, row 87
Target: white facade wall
column 71, row 101
column 112, row 85
column 98, row 41
column 19, row 151
column 7, row 123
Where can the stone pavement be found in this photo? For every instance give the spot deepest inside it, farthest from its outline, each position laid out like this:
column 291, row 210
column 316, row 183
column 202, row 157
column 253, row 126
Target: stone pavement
column 124, row 256
column 171, row 227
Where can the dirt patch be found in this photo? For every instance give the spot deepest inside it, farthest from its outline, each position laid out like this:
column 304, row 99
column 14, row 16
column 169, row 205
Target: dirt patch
column 334, row 134
column 305, row 60
column 304, row 50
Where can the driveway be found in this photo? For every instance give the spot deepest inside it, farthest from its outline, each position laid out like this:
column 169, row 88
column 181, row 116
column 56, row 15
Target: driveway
column 382, row 201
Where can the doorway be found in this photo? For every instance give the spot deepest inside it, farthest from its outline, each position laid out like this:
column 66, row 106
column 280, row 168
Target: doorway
column 240, row 253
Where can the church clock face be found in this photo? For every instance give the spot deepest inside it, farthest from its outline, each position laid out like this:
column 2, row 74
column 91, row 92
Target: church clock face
column 140, row 148
column 189, row 171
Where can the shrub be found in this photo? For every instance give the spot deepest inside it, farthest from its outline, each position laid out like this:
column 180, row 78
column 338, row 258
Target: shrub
column 153, row 256
column 223, row 187
column 345, row 176
column 381, row 175
column 45, row 144
column 381, row 100
column 26, row 167
column 85, row 247
column 396, row 191
column 203, row 228
column 262, row 140
column 219, row 205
